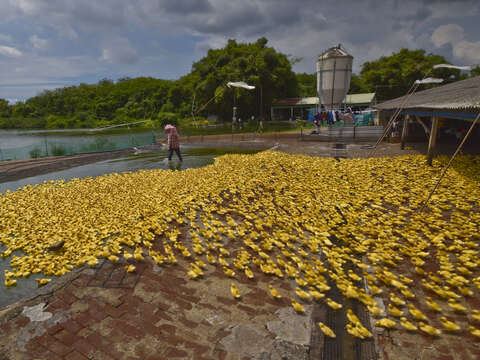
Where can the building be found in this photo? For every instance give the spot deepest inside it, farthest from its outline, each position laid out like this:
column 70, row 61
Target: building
column 294, row 108
column 441, row 113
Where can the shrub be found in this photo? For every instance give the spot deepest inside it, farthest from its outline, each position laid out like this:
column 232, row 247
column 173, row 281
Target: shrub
column 35, row 153
column 165, row 118
column 58, row 150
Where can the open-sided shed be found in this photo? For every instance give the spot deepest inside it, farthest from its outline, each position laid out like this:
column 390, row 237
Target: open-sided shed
column 448, row 103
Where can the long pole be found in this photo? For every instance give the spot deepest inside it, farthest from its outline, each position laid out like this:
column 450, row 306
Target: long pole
column 448, row 165
column 394, row 117
column 412, row 89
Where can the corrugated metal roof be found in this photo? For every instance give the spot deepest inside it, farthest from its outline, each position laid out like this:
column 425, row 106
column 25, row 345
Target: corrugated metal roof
column 366, row 98
column 460, row 95
column 308, row 101
column 351, row 99
column 335, row 51
column 287, row 102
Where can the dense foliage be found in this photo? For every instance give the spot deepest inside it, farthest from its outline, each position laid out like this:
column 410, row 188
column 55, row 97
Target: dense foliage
column 129, row 100
column 392, row 76
column 307, row 84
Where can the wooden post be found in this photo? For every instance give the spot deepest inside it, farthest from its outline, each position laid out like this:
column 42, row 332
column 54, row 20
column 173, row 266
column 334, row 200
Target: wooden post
column 433, row 140
column 404, row 131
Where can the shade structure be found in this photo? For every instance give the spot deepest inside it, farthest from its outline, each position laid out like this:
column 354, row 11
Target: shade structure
column 334, row 71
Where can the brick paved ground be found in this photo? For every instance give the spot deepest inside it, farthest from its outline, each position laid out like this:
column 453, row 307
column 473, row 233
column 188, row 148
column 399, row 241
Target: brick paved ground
column 106, row 313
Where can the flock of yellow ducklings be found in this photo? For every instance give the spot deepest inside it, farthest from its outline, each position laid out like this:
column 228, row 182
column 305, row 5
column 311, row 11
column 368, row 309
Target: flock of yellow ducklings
column 354, row 224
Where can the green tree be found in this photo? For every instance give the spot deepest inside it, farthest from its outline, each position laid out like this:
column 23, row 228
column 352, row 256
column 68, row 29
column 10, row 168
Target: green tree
column 307, row 84
column 392, row 76
column 5, row 110
column 475, row 71
column 357, row 85
column 255, row 63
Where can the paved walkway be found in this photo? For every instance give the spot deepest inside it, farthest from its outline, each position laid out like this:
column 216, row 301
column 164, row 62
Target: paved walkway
column 155, row 313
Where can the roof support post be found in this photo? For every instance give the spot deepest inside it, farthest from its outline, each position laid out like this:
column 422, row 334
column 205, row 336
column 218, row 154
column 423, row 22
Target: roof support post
column 433, row 140
column 291, row 113
column 404, row 131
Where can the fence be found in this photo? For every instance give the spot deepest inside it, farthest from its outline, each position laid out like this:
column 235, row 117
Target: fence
column 71, row 145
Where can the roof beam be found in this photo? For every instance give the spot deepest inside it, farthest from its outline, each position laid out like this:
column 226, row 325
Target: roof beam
column 443, row 114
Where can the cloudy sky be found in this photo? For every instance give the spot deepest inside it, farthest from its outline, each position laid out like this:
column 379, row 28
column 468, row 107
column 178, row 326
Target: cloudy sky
column 45, row 44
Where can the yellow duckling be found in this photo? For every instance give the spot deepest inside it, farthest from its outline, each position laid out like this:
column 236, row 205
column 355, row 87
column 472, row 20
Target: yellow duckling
column 358, row 331
column 476, row 315
column 127, row 255
column 92, row 261
column 113, row 258
column 375, row 290
column 130, row 268
column 394, row 311
column 303, row 294
column 317, row 295
column 449, row 325
column 235, row 292
column 407, row 324
column 300, row 281
column 334, row 305
column 248, row 272
column 211, row 259
column 322, row 287
column 417, row 314
column 200, row 264
column 375, row 310
column 465, row 291
column 407, row 293
column 351, row 292
column 456, row 306
column 196, row 269
column 193, row 275
column 222, row 261
column 10, row 282
column 274, row 292
column 326, row 330
column 396, row 300
column 474, row 331
column 172, row 259
column 297, row 306
column 386, row 323
column 429, row 329
column 352, row 317
column 41, row 282
column 353, row 276
column 185, row 253
column 432, row 304
column 138, row 254
column 229, row 272
column 354, row 331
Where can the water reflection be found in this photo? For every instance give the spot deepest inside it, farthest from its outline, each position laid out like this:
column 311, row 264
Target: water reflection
column 175, row 165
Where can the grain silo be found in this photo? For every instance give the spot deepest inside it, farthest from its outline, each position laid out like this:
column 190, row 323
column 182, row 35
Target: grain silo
column 334, row 70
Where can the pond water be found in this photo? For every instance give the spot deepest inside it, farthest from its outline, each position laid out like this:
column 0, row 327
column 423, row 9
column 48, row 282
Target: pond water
column 25, row 144
column 156, row 159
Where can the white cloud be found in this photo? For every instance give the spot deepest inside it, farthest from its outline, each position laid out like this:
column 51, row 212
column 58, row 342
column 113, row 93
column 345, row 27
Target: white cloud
column 463, row 50
column 10, row 51
column 447, row 34
column 38, row 43
column 119, row 51
column 467, row 51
